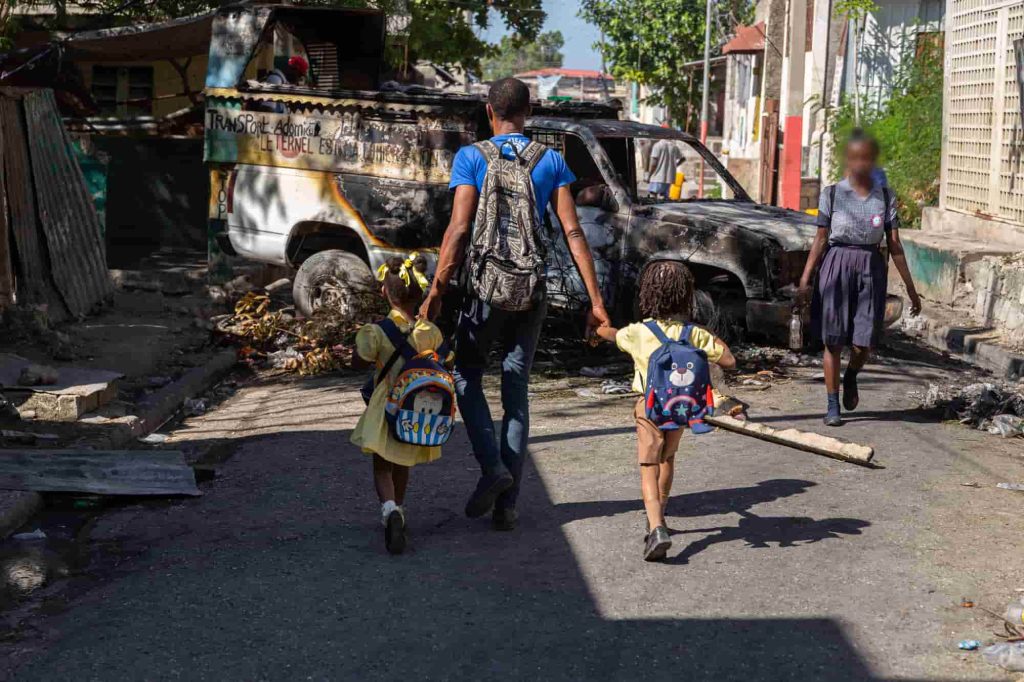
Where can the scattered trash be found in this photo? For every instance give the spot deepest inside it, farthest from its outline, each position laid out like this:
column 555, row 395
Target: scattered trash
column 616, row 387
column 595, row 372
column 7, row 410
column 319, row 343
column 277, row 284
column 1007, row 426
column 585, row 393
column 1011, row 486
column 289, row 358
column 154, row 439
column 969, row 644
column 38, row 375
column 195, row 406
column 1006, row 655
column 1015, row 613
column 25, row 437
column 37, row 534
column 966, row 603
column 972, row 484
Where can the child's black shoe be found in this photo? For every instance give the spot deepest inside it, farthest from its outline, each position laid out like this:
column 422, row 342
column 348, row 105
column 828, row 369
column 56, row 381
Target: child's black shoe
column 394, row 532
column 505, row 518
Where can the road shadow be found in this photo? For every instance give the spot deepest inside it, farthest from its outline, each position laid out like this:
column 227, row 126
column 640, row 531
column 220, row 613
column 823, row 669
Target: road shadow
column 279, row 572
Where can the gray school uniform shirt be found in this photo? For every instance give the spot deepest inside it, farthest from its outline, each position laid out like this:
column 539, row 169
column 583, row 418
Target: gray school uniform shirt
column 854, row 219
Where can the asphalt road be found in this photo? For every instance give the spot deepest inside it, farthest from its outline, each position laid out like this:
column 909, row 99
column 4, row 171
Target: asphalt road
column 785, row 565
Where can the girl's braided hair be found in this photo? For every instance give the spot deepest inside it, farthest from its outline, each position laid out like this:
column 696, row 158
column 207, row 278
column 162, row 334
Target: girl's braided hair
column 404, row 290
column 666, row 290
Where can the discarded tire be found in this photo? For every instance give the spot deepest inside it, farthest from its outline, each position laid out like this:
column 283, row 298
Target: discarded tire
column 335, row 279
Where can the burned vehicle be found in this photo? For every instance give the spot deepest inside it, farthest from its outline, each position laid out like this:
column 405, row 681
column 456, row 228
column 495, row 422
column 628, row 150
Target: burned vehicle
column 333, row 175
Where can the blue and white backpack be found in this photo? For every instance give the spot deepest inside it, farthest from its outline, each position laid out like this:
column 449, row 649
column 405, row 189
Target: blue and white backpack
column 420, row 408
column 677, row 392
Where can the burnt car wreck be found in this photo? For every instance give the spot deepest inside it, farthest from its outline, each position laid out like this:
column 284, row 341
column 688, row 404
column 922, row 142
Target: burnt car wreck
column 335, row 174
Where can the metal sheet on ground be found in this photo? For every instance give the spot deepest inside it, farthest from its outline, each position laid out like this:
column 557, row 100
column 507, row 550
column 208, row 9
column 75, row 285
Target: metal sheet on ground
column 111, row 472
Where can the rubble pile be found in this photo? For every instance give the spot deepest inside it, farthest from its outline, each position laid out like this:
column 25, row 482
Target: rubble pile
column 279, row 340
column 994, row 407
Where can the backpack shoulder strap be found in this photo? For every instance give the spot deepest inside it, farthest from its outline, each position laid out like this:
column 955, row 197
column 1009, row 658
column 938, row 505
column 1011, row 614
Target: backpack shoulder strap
column 397, row 338
column 684, row 336
column 831, row 204
column 488, row 149
column 657, row 331
column 885, row 210
column 532, row 154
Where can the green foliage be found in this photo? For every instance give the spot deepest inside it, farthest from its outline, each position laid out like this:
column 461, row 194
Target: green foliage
column 855, row 9
column 649, row 41
column 513, row 55
column 909, row 132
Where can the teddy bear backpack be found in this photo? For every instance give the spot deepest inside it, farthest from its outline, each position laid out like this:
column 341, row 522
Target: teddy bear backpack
column 677, row 392
column 420, row 408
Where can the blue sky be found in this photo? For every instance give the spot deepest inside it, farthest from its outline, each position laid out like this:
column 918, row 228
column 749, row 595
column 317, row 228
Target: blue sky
column 579, row 35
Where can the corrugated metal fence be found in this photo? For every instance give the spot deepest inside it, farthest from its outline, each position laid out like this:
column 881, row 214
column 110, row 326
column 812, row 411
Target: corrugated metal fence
column 983, row 168
column 50, row 236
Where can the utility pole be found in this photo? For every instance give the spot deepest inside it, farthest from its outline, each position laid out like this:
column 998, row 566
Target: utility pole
column 705, row 103
column 604, row 81
column 790, row 169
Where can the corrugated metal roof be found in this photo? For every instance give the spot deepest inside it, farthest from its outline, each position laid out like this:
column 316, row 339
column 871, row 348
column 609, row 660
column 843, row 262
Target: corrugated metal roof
column 565, row 73
column 747, row 39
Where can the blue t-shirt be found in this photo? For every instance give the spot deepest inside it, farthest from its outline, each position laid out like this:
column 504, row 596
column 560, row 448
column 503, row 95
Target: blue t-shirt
column 550, row 173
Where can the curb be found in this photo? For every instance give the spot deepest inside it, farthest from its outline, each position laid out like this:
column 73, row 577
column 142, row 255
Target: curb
column 973, row 345
column 163, row 404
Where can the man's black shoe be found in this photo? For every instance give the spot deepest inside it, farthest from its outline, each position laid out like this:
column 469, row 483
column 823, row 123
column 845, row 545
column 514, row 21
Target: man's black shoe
column 657, row 544
column 487, row 490
column 505, row 518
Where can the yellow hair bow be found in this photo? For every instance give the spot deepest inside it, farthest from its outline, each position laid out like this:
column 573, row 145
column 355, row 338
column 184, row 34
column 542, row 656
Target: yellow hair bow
column 406, row 272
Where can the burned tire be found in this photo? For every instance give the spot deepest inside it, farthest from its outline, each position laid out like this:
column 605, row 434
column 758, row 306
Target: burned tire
column 332, row 278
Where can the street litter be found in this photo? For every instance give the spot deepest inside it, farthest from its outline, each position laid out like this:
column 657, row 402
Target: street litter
column 194, row 406
column 1006, row 655
column 808, row 442
column 997, row 408
column 1010, row 486
column 37, row 534
column 966, row 603
column 1006, row 425
column 585, row 393
column 276, row 338
column 111, row 472
column 616, row 387
column 969, row 644
column 154, row 439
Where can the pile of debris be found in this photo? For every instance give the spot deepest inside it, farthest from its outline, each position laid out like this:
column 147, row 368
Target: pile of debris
column 994, row 407
column 278, row 339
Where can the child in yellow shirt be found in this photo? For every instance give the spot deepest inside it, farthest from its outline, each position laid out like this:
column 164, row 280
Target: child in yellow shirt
column 666, row 297
column 392, row 459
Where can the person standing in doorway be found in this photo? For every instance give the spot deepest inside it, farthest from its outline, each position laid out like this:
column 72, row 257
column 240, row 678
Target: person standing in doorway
column 848, row 302
column 665, row 159
column 502, row 187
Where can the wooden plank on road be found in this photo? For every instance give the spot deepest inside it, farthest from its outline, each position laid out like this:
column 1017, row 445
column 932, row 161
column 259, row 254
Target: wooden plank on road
column 801, row 440
column 110, row 472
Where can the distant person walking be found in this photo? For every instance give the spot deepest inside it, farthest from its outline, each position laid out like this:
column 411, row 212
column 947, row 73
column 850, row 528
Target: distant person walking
column 502, row 187
column 848, row 301
column 665, row 159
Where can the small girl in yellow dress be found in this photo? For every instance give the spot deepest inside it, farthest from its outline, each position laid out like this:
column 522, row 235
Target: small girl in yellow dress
column 392, row 458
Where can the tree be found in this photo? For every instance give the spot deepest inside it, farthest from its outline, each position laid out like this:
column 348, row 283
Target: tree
column 439, row 30
column 513, row 55
column 649, row 41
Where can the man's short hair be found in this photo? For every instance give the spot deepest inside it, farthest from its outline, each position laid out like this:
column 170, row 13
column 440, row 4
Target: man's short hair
column 509, row 98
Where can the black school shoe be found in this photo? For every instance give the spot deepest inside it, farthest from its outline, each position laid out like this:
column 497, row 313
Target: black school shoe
column 505, row 518
column 657, row 544
column 851, row 396
column 394, row 533
column 487, row 490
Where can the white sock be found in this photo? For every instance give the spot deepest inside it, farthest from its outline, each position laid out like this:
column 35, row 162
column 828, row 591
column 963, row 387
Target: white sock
column 386, row 509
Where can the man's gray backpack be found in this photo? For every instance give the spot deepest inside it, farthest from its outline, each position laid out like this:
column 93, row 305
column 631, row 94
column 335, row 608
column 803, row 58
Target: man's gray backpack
column 505, row 263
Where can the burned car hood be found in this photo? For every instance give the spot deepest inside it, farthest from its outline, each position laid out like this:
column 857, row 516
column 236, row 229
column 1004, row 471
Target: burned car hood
column 792, row 229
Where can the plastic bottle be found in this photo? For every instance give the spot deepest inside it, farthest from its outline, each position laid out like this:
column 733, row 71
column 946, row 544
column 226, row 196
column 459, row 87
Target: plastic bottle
column 796, row 331
column 1015, row 613
column 1007, row 655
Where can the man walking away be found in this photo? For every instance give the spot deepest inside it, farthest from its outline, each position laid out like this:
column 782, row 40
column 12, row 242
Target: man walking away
column 665, row 158
column 502, row 186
